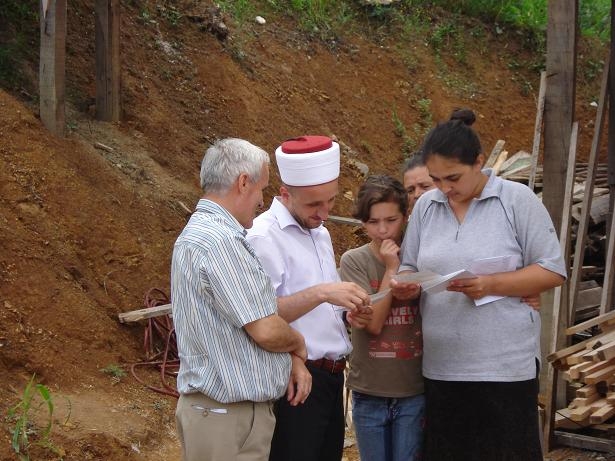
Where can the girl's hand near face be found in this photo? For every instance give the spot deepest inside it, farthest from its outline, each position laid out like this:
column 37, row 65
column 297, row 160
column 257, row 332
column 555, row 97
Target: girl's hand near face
column 389, row 252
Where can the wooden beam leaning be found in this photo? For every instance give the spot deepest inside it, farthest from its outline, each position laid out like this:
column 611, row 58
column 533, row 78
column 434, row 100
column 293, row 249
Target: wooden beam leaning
column 606, row 303
column 600, row 320
column 52, row 64
column 589, row 187
column 537, row 129
column 555, row 395
column 108, row 60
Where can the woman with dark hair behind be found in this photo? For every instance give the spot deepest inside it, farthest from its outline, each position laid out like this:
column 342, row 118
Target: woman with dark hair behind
column 385, row 364
column 480, row 363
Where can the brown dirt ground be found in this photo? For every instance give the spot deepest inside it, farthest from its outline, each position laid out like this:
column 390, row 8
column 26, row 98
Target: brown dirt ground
column 85, row 232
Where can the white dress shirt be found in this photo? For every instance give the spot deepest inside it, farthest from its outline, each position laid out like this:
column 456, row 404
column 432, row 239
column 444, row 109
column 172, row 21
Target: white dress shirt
column 296, row 258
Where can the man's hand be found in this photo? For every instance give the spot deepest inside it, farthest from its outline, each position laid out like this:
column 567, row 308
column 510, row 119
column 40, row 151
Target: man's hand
column 301, row 352
column 300, row 382
column 347, row 295
column 360, row 319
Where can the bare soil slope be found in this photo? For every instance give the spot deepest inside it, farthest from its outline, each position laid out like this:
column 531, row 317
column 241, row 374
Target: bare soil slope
column 85, row 232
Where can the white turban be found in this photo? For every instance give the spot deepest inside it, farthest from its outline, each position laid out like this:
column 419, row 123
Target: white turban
column 308, row 161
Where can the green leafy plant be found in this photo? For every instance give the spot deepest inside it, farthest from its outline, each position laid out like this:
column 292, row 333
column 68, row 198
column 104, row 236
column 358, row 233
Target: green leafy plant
column 21, row 414
column 400, row 130
column 115, row 371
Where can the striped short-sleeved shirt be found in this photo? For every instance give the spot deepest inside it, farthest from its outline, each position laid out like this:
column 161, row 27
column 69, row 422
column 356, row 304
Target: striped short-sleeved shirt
column 217, row 286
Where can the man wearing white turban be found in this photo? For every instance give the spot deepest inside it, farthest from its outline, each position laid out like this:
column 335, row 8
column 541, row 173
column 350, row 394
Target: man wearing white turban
column 295, row 250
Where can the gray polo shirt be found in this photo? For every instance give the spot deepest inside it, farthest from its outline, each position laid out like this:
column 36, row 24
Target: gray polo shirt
column 498, row 341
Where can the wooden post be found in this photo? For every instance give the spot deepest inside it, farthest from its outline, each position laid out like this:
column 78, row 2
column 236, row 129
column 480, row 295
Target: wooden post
column 52, row 65
column 559, row 101
column 611, row 132
column 108, row 60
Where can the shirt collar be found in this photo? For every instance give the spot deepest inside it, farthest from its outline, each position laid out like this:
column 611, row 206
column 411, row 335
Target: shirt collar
column 284, row 217
column 210, row 207
column 491, row 189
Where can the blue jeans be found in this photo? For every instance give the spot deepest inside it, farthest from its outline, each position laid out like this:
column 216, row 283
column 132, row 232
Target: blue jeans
column 388, row 429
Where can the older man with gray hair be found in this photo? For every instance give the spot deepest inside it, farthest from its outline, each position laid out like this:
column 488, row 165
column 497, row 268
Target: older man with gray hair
column 236, row 354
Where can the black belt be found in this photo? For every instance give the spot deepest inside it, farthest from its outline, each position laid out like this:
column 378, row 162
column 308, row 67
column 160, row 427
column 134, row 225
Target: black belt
column 332, row 366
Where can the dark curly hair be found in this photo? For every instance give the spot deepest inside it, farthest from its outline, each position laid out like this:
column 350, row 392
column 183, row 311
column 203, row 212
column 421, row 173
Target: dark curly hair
column 379, row 189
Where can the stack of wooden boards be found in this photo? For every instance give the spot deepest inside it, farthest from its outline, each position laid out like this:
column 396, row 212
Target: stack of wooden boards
column 589, row 367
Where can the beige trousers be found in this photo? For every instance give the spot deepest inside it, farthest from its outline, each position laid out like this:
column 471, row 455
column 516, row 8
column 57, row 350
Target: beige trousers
column 214, row 431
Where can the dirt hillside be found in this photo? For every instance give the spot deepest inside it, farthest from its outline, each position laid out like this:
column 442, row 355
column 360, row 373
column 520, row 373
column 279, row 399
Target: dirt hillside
column 87, row 222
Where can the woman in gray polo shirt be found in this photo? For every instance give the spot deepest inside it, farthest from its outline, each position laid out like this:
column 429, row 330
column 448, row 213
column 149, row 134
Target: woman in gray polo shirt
column 480, row 362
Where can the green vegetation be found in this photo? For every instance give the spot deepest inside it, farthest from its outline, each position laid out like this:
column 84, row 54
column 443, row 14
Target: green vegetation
column 334, row 16
column 21, row 414
column 115, row 371
column 530, row 15
column 18, row 38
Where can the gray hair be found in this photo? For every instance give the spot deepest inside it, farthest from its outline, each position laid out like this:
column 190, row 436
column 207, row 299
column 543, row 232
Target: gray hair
column 414, row 161
column 226, row 159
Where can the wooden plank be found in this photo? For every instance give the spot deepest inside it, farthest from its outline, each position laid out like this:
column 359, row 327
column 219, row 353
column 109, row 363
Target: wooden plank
column 521, row 158
column 108, row 60
column 602, row 414
column 342, row 220
column 563, row 353
column 580, row 413
column 606, row 302
column 600, row 340
column 599, row 210
column 583, row 401
column 589, row 298
column 595, row 366
column 499, row 145
column 587, row 198
column 586, row 313
column 146, row 313
column 563, row 421
column 600, row 375
column 575, row 371
column 579, row 357
column 601, row 319
column 583, row 441
column 499, row 162
column 555, row 389
column 586, row 391
column 537, row 129
column 606, row 352
column 52, row 64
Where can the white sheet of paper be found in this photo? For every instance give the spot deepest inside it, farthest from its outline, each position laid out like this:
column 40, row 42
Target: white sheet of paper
column 416, row 277
column 440, row 284
column 436, row 283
